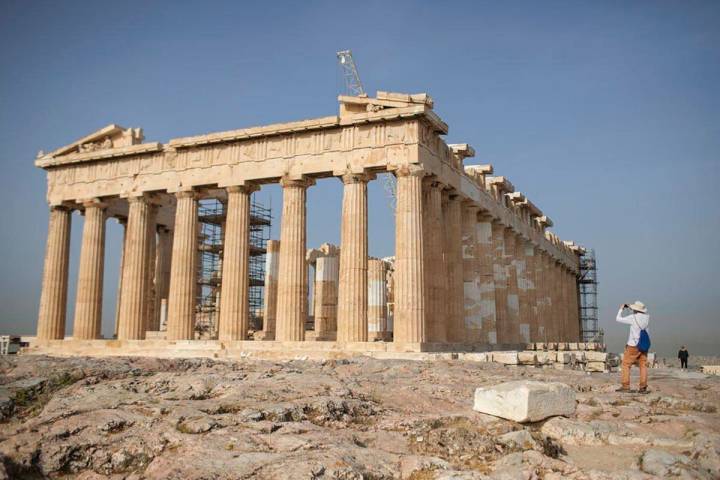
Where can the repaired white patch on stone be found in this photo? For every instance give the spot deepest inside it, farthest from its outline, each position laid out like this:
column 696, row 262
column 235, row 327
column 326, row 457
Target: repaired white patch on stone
column 513, row 303
column 499, row 273
column 272, row 264
column 326, row 269
column 484, row 232
column 377, row 293
column 541, row 331
column 525, row 332
column 492, row 338
column 487, row 309
column 525, row 401
column 529, row 250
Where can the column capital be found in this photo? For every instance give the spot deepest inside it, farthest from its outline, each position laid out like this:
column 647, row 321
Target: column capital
column 189, row 193
column 350, row 177
column 60, row 208
column 301, row 181
column 244, row 187
column 410, row 171
column 432, row 181
column 93, row 202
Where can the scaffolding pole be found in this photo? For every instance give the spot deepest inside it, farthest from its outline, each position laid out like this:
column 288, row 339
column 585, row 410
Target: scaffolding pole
column 588, row 291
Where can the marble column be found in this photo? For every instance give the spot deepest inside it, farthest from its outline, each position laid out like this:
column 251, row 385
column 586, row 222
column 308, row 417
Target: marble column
column 183, row 276
column 500, row 278
column 234, row 320
column 472, row 302
column 352, row 321
column 118, row 293
column 531, row 290
column 133, row 297
column 53, row 299
column 162, row 272
column 292, row 271
column 435, row 271
column 575, row 307
column 409, row 277
column 512, row 332
column 151, row 259
column 377, row 300
column 521, row 270
column 88, row 302
column 454, row 262
column 486, row 279
column 272, row 261
column 325, row 296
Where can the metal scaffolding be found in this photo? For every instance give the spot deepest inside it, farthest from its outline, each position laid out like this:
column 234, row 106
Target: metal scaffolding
column 211, row 236
column 587, row 291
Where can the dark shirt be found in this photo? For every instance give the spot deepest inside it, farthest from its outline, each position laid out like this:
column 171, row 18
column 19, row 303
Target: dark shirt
column 683, row 354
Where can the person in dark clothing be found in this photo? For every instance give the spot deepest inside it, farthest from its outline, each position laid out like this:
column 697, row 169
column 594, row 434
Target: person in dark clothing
column 683, row 355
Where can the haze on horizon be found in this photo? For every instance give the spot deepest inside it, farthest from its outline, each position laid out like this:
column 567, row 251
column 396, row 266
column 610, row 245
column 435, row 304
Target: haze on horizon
column 605, row 114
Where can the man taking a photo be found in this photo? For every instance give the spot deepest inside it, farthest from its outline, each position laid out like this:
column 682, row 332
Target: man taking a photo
column 638, row 319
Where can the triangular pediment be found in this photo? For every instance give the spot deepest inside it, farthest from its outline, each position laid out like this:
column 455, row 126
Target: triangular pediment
column 111, row 136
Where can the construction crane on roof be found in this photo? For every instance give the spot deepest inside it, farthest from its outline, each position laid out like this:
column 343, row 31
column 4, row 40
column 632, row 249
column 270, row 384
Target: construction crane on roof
column 353, row 86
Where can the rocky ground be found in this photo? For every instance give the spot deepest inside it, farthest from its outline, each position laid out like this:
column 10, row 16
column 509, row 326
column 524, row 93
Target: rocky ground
column 147, row 418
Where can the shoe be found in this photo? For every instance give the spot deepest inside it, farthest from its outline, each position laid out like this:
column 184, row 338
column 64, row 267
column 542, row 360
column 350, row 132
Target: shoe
column 643, row 391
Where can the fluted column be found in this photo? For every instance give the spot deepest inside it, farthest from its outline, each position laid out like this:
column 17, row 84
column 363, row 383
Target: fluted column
column 234, row 319
column 151, row 293
column 377, row 300
column 352, row 322
column 163, row 258
column 270, row 290
column 512, row 331
column 53, row 299
column 454, row 263
column 325, row 296
column 500, row 278
column 292, row 271
column 486, row 279
column 531, row 290
column 521, row 271
column 435, row 271
column 133, row 298
column 472, row 302
column 183, row 278
column 88, row 300
column 409, row 277
column 575, row 307
column 122, row 221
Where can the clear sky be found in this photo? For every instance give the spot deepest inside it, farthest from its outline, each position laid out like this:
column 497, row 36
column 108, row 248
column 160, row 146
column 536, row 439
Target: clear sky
column 606, row 114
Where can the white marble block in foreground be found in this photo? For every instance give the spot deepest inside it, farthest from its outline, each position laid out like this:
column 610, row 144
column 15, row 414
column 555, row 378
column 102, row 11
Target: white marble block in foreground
column 525, row 400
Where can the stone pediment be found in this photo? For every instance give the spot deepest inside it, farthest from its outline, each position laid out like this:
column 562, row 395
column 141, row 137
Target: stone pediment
column 112, row 136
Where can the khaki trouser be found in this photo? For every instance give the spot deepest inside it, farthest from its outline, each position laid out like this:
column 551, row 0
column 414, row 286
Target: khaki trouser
column 633, row 356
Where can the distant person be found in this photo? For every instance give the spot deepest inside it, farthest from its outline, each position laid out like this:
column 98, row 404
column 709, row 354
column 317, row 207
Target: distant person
column 638, row 319
column 683, row 355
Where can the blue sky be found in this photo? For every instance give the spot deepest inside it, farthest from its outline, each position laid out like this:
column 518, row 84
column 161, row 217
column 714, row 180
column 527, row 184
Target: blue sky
column 606, row 114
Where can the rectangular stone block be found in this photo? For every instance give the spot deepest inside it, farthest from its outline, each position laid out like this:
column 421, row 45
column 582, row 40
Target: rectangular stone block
column 527, row 358
column 544, row 358
column 564, row 357
column 562, row 346
column 562, row 366
column 552, row 346
column 474, row 356
column 530, row 346
column 595, row 367
column 573, row 346
column 506, row 358
column 525, row 400
column 593, row 356
column 711, row 369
